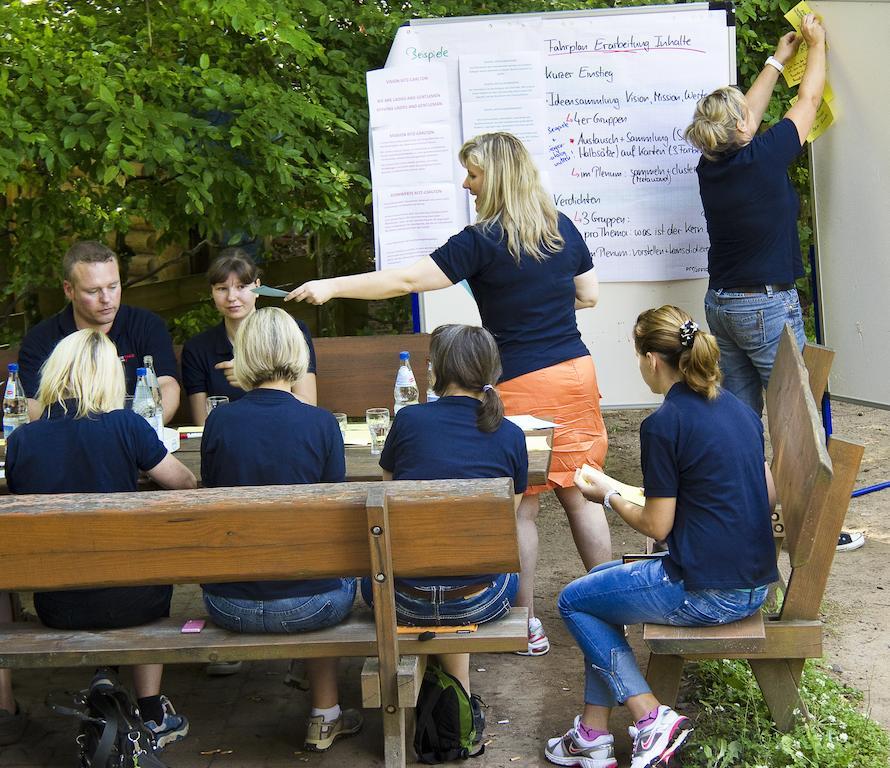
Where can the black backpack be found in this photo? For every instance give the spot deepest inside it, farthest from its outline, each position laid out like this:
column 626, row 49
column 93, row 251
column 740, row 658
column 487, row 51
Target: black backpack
column 112, row 734
column 449, row 721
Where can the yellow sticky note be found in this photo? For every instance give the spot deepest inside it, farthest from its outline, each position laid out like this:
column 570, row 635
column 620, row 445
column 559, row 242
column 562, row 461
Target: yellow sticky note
column 796, row 14
column 794, row 69
column 828, row 93
column 825, row 116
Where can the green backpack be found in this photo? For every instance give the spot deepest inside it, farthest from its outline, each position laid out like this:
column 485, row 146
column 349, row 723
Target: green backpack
column 449, row 721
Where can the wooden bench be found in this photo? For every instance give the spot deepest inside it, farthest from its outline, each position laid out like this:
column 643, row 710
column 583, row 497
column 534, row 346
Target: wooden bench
column 387, row 530
column 813, row 484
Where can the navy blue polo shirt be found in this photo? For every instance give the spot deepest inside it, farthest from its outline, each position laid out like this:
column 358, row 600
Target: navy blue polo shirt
column 751, row 211
column 708, row 455
column 202, row 352
column 268, row 437
column 101, row 453
column 440, row 441
column 529, row 308
column 135, row 332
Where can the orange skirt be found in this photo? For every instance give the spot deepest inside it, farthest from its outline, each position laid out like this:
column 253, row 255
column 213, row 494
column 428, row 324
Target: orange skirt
column 567, row 394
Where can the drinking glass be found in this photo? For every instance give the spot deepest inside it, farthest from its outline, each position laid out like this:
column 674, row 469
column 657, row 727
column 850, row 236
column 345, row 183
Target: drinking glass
column 341, row 422
column 378, row 426
column 216, row 400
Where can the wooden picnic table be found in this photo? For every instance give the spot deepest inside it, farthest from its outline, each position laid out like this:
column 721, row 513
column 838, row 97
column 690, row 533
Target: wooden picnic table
column 360, row 464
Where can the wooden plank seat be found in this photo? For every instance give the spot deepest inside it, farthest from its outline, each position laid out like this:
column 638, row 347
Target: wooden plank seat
column 813, row 484
column 386, row 530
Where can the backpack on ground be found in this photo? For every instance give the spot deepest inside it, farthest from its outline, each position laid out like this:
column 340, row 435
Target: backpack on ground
column 449, row 721
column 112, row 734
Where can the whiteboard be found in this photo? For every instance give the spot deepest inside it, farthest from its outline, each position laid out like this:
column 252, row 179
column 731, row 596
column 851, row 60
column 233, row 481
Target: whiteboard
column 621, row 85
column 851, row 185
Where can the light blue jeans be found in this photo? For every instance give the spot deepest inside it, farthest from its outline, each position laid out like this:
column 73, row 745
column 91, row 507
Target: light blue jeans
column 490, row 603
column 748, row 328
column 283, row 616
column 596, row 607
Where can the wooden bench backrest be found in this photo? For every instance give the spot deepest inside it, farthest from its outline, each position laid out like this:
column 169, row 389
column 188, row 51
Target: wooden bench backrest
column 437, row 528
column 358, row 372
column 801, row 466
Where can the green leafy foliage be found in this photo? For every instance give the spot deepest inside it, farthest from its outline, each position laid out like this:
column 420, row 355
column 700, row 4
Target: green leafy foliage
column 212, row 116
column 193, row 322
column 733, row 726
column 196, row 115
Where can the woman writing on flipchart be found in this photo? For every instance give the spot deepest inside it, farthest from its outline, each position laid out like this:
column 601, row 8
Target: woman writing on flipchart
column 529, row 270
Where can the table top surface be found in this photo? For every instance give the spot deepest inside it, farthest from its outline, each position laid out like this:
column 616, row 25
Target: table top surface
column 360, row 464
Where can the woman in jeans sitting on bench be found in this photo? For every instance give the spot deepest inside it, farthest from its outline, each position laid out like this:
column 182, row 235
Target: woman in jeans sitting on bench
column 463, row 434
column 269, row 437
column 86, row 443
column 709, row 494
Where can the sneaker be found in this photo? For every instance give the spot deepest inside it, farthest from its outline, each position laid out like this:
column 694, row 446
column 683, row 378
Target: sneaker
column 321, row 735
column 476, row 705
column 12, row 725
column 223, row 668
column 538, row 644
column 172, row 728
column 655, row 744
column 850, row 540
column 573, row 749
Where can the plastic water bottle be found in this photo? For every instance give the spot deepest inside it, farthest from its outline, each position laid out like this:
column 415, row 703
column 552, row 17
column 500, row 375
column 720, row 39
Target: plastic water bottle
column 431, row 396
column 152, row 379
column 405, row 392
column 144, row 403
column 15, row 404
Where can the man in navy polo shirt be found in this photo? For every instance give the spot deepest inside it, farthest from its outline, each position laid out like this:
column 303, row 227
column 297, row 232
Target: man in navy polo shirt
column 92, row 285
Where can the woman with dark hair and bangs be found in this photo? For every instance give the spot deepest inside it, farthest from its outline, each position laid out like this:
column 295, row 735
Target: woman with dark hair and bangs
column 529, row 269
column 207, row 365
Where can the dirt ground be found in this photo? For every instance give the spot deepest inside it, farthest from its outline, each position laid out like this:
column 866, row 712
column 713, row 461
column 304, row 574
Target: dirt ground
column 252, row 719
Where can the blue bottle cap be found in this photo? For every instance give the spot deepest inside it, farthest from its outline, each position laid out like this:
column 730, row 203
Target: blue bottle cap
column 13, row 367
column 140, row 372
column 404, row 355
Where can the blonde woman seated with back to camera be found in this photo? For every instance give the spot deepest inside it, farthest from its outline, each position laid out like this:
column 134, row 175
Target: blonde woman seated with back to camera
column 86, row 443
column 269, row 437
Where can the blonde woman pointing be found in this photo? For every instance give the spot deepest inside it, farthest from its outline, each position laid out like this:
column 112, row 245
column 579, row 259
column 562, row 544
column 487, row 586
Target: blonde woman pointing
column 529, row 270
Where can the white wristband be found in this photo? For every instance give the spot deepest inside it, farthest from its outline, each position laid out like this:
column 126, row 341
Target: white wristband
column 772, row 61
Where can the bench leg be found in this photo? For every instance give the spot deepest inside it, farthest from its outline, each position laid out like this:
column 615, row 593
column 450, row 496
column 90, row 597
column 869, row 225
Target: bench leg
column 394, row 737
column 779, row 680
column 663, row 675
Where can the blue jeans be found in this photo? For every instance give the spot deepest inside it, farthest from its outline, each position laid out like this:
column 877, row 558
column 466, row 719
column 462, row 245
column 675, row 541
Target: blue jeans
column 748, row 328
column 596, row 606
column 286, row 615
column 491, row 602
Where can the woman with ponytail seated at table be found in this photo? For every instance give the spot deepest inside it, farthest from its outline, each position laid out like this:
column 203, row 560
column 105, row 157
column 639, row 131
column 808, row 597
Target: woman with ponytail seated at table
column 463, row 434
column 709, row 494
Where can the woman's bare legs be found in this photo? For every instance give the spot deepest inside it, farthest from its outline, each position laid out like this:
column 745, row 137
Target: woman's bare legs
column 527, row 533
column 322, row 675
column 590, row 530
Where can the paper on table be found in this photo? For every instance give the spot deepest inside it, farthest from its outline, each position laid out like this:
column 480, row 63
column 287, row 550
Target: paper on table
column 528, row 423
column 632, row 493
column 265, row 290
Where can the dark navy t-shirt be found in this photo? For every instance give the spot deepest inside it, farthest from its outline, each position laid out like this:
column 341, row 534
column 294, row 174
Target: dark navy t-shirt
column 708, row 455
column 529, row 308
column 102, row 453
column 440, row 441
column 268, row 437
column 135, row 332
column 202, row 352
column 751, row 210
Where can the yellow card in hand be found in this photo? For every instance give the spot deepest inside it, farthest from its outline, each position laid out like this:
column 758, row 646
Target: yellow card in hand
column 632, row 493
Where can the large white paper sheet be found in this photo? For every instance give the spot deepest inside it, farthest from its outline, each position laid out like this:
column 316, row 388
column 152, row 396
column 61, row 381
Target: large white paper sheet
column 402, row 97
column 402, row 155
column 412, row 222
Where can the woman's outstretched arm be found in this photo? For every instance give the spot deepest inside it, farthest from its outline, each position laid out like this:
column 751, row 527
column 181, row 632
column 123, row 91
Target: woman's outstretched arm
column 423, row 275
